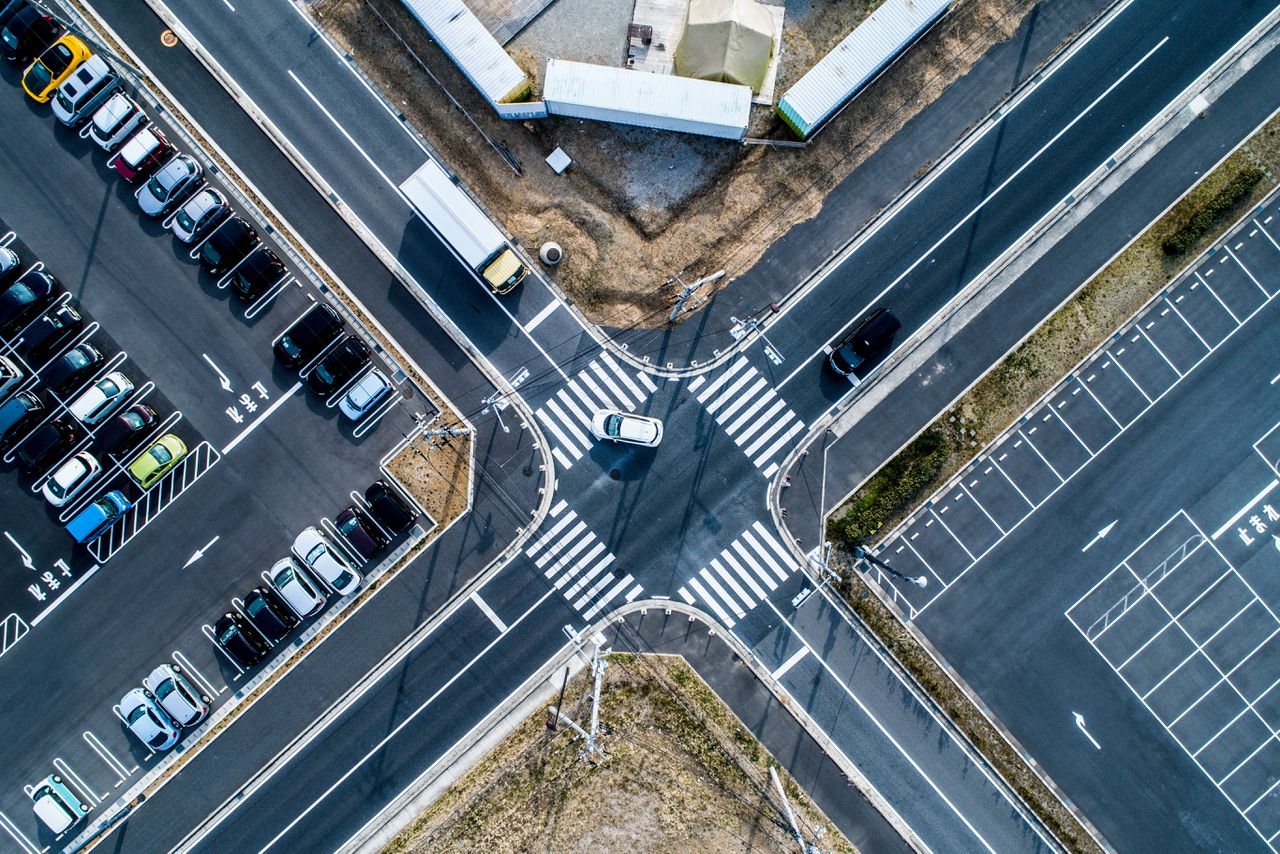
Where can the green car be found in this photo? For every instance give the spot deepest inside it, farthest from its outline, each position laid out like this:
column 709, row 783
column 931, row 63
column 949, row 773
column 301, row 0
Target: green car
column 156, row 461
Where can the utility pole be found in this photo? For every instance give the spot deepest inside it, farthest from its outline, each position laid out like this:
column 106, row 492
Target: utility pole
column 496, row 403
column 753, row 324
column 822, row 560
column 592, row 751
column 806, row 847
column 429, row 432
column 688, row 291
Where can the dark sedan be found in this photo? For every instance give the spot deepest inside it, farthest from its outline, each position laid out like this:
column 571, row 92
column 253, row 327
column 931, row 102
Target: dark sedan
column 28, row 34
column 48, row 333
column 123, row 432
column 25, row 298
column 72, row 368
column 239, row 641
column 256, row 274
column 308, row 336
column 49, row 443
column 268, row 613
column 388, row 508
column 339, row 367
column 360, row 532
column 230, row 242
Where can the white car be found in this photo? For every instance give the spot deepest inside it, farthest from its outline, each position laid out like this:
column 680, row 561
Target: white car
column 370, row 390
column 103, row 398
column 318, row 555
column 295, row 588
column 176, row 695
column 115, row 121
column 201, row 211
column 146, row 720
column 619, row 426
column 57, row 807
column 71, row 478
column 172, row 181
column 8, row 259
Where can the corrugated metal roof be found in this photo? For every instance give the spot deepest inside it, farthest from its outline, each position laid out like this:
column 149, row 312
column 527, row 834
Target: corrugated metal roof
column 857, row 59
column 648, row 100
column 479, row 55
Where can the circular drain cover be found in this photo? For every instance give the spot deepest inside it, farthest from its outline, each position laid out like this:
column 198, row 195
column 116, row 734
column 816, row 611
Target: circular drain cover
column 615, row 473
column 168, row 38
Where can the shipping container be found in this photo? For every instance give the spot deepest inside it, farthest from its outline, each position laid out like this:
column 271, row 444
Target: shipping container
column 475, row 51
column 660, row 101
column 855, row 61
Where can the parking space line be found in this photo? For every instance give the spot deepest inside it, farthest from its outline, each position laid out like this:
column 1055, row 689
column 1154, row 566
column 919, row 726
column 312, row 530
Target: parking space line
column 996, row 463
column 1247, row 271
column 1156, row 347
column 907, row 540
column 1199, row 651
column 1266, row 233
column 105, row 754
column 265, row 414
column 260, row 304
column 18, row 836
column 978, row 503
column 1043, row 459
column 353, row 556
column 1245, row 761
column 70, row 773
column 1214, row 294
column 1115, row 360
column 1101, row 405
column 207, row 630
column 371, row 420
column 1194, row 331
column 952, row 533
column 196, row 673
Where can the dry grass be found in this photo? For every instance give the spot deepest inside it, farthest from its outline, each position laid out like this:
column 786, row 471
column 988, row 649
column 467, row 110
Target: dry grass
column 711, row 204
column 682, row 774
column 437, row 473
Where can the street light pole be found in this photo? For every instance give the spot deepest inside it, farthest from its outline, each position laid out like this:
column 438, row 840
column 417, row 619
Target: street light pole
column 862, row 554
column 491, row 403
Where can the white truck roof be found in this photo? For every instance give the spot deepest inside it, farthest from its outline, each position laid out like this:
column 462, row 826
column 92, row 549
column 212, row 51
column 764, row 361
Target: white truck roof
column 447, row 206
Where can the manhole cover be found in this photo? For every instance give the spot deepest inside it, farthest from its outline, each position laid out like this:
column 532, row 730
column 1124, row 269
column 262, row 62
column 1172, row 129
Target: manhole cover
column 168, row 38
column 615, row 473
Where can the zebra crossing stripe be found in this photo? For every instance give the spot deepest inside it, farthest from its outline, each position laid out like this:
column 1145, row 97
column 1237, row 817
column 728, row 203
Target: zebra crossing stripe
column 611, row 385
column 537, row 545
column 729, row 393
column 622, row 375
column 595, row 389
column 558, row 507
column 585, row 578
column 748, row 559
column 791, row 433
column 732, row 584
column 608, row 597
column 724, row 597
column 571, row 405
column 746, row 577
column 721, row 380
column 566, row 577
column 650, row 384
column 591, row 593
column 567, row 423
column 561, row 555
column 561, row 458
column 696, row 382
column 711, row 603
column 743, row 399
column 765, row 398
column 743, row 569
column 684, row 594
column 763, row 421
column 787, row 417
column 588, row 401
column 550, row 424
column 768, row 538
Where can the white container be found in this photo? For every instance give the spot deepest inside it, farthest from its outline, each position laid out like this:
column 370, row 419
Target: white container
column 864, row 52
column 660, row 101
column 475, row 51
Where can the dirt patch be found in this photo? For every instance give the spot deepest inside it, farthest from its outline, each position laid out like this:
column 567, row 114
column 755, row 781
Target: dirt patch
column 682, row 773
column 640, row 205
column 436, row 471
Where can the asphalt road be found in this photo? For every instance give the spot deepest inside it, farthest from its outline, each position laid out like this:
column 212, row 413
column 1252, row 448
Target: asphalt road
column 1123, row 566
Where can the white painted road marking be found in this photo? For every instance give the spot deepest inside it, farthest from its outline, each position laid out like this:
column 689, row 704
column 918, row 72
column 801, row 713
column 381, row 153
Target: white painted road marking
column 263, row 417
column 1099, row 535
column 488, row 612
column 542, row 315
column 1080, row 723
column 1266, row 490
column 199, row 553
column 26, row 558
column 222, row 378
column 790, row 662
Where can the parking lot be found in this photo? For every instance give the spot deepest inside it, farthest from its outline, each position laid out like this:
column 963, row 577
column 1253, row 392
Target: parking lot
column 265, row 459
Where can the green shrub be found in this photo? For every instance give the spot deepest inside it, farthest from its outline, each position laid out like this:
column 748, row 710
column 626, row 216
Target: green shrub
column 894, row 488
column 1216, row 210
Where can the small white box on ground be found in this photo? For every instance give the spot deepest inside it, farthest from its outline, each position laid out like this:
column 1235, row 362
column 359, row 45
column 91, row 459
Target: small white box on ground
column 559, row 161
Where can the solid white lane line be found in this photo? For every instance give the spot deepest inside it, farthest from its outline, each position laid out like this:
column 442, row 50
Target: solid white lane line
column 546, row 312
column 1266, row 490
column 488, row 612
column 790, row 662
column 56, row 602
column 395, row 188
column 266, row 413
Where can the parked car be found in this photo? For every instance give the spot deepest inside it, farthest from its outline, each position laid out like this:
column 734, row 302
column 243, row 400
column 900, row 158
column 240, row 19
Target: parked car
column 176, row 695
column 71, row 479
column 123, row 432
column 48, row 333
column 307, row 336
column 172, row 183
column 200, row 213
column 339, row 367
column 388, row 508
column 11, row 376
column 28, row 34
column 101, row 399
column 319, row 555
column 360, row 532
column 84, row 91
column 25, row 298
column 57, row 807
column 72, row 367
column 296, row 588
column 55, row 65
column 614, row 425
column 96, row 519
column 363, row 397
column 8, row 262
column 142, row 154
column 115, row 121
column 239, row 641
column 268, row 613
column 227, row 246
column 16, row 417
column 147, row 721
column 158, row 460
column 255, row 275
column 47, row 444
column 870, row 337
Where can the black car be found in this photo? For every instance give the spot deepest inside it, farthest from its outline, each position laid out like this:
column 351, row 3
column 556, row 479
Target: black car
column 360, row 532
column 869, row 338
column 72, row 367
column 25, row 298
column 16, row 417
column 256, row 274
column 308, row 336
column 229, row 243
column 48, row 333
column 49, row 443
column 238, row 640
column 28, row 34
column 388, row 509
column 268, row 613
column 339, row 367
column 123, row 432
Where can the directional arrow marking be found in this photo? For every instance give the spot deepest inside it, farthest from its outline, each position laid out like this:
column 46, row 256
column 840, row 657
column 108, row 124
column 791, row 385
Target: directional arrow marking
column 222, row 378
column 1080, row 723
column 1099, row 535
column 26, row 558
column 199, row 553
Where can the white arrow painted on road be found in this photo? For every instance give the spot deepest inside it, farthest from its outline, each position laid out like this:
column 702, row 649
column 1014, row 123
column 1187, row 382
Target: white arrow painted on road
column 222, row 378
column 1080, row 723
column 1099, row 535
column 26, row 558
column 199, row 553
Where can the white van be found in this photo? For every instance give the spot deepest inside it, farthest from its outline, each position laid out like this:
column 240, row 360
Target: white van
column 56, row 807
column 84, row 91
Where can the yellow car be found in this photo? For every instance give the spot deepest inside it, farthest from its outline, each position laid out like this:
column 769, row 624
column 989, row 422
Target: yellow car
column 156, row 461
column 46, row 74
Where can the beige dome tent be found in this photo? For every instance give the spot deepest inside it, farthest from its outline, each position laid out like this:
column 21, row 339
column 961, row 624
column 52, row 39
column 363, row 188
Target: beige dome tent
column 729, row 41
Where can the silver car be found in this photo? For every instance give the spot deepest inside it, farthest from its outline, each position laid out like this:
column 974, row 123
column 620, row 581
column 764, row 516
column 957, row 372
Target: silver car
column 319, row 556
column 295, row 587
column 203, row 210
column 368, row 392
column 176, row 695
column 172, row 181
column 103, row 398
column 146, row 720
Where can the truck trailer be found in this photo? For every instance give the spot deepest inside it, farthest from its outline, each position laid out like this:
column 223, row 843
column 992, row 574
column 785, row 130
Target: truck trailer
column 464, row 227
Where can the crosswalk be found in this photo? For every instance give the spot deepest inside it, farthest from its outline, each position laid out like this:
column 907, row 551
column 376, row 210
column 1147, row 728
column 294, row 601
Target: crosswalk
column 751, row 412
column 603, row 384
column 741, row 576
column 577, row 562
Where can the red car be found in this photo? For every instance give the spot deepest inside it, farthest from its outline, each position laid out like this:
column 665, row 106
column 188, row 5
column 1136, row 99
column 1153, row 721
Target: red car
column 145, row 152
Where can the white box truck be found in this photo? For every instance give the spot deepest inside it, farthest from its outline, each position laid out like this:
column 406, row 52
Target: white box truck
column 464, row 227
